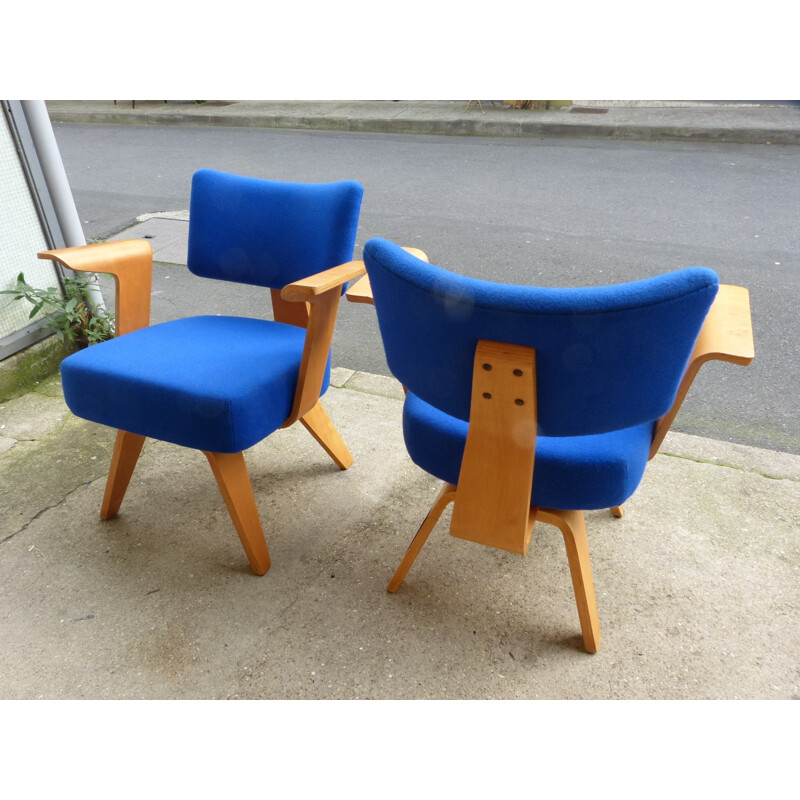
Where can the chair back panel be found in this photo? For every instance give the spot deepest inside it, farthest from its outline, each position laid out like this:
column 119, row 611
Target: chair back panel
column 607, row 358
column 269, row 233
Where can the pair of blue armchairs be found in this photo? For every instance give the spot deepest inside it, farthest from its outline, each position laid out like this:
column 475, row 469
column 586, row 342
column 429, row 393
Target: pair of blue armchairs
column 529, row 403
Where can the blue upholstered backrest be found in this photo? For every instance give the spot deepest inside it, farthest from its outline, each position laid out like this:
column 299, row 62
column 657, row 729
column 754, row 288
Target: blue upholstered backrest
column 607, row 358
column 269, row 233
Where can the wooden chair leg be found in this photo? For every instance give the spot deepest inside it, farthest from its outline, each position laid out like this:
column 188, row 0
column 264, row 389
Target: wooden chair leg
column 446, row 496
column 234, row 483
column 573, row 527
column 617, row 511
column 123, row 461
column 318, row 424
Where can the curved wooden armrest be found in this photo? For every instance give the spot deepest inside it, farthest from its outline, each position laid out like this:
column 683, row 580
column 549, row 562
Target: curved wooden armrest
column 361, row 290
column 313, row 286
column 726, row 335
column 130, row 261
column 319, row 295
column 415, row 251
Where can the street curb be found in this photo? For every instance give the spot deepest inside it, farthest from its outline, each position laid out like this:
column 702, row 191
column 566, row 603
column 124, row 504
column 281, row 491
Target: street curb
column 446, row 127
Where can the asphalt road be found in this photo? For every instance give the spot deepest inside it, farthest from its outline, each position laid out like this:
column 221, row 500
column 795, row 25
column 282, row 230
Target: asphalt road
column 544, row 211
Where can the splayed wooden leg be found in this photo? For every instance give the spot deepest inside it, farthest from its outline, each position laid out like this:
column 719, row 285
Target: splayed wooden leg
column 573, row 526
column 445, row 497
column 123, row 461
column 237, row 491
column 318, row 424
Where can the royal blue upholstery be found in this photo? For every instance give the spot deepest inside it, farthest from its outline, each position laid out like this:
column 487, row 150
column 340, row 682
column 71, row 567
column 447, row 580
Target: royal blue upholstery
column 607, row 358
column 570, row 473
column 222, row 383
column 608, row 364
column 269, row 233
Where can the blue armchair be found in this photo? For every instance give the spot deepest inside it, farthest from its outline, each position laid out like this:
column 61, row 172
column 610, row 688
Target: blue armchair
column 537, row 403
column 220, row 384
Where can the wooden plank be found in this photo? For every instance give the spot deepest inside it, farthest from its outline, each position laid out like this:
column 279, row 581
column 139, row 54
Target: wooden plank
column 287, row 311
column 493, row 499
column 130, row 261
column 446, row 496
column 127, row 449
column 726, row 335
column 319, row 334
column 360, row 291
column 319, row 425
column 322, row 282
column 233, row 480
column 572, row 525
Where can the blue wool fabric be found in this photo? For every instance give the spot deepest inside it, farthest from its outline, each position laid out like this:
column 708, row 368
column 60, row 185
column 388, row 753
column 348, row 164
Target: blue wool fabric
column 269, row 233
column 212, row 383
column 608, row 364
column 222, row 383
column 607, row 358
column 570, row 472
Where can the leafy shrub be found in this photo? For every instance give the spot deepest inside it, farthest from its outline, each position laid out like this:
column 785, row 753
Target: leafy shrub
column 69, row 313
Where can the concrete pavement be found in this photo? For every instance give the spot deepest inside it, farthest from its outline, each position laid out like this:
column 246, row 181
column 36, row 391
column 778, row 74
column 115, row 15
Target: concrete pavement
column 711, row 122
column 697, row 584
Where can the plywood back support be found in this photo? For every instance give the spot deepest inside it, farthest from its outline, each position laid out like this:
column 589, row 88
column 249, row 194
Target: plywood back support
column 493, row 498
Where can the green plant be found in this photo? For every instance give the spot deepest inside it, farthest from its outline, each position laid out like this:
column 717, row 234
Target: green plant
column 69, row 314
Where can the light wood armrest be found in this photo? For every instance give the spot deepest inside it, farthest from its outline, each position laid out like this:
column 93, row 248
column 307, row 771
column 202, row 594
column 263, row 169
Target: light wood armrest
column 320, row 296
column 130, row 262
column 312, row 303
column 415, row 251
column 309, row 288
column 361, row 290
column 726, row 335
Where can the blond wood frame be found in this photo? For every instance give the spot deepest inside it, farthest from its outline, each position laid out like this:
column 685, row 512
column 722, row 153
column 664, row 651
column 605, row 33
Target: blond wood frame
column 492, row 500
column 493, row 494
column 726, row 335
column 310, row 303
column 361, row 290
column 130, row 262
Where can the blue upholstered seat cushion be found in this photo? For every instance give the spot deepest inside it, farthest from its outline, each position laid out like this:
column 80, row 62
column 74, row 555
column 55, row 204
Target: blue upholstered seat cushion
column 569, row 473
column 212, row 383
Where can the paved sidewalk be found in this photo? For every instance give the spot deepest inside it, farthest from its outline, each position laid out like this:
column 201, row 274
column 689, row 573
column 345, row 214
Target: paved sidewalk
column 712, row 122
column 697, row 584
